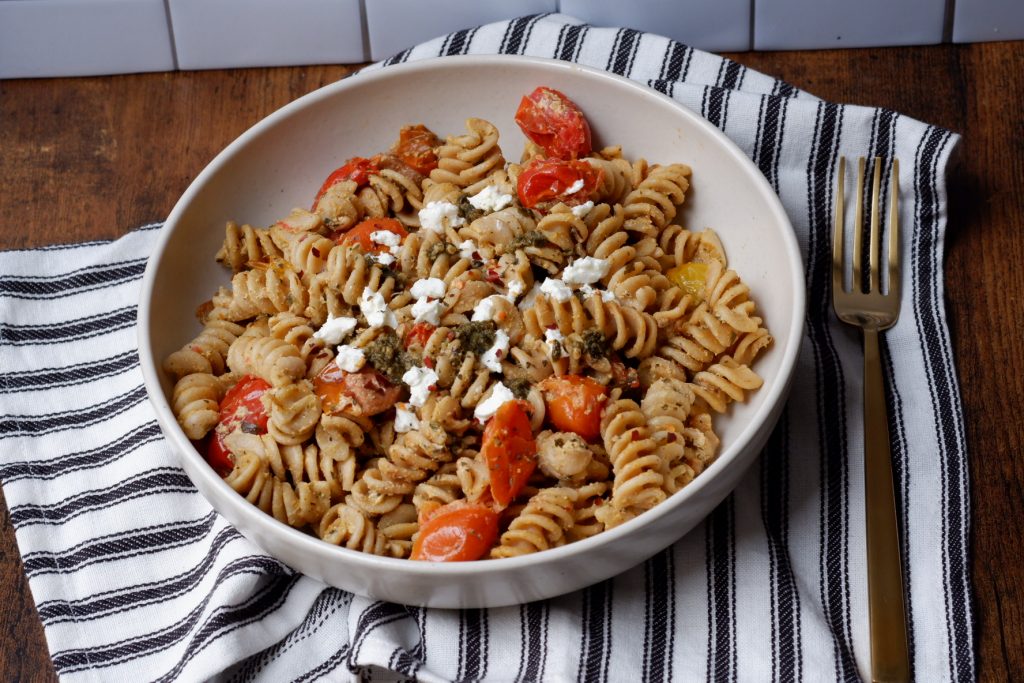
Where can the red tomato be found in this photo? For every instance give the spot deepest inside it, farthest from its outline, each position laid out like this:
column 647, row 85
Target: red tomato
column 418, row 334
column 574, row 404
column 509, row 450
column 554, row 122
column 361, row 232
column 415, row 147
column 364, row 393
column 456, row 532
column 242, row 405
column 357, row 169
column 546, row 180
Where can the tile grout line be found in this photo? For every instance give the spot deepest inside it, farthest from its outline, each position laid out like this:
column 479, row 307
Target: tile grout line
column 364, row 26
column 170, row 33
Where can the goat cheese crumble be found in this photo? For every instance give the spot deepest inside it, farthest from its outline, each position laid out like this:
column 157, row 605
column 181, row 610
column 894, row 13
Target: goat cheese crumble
column 556, row 289
column 585, row 271
column 492, row 356
column 434, row 214
column 350, row 359
column 419, row 381
column 583, row 209
column 490, row 199
column 335, row 329
column 376, row 310
column 405, row 419
column 486, row 409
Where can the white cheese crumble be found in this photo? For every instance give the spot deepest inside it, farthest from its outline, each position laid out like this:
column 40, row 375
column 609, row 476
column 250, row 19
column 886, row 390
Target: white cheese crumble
column 484, row 309
column 376, row 310
column 582, row 210
column 491, row 199
column 515, row 289
column 530, row 297
column 492, row 356
column 405, row 419
column 556, row 289
column 467, row 249
column 554, row 338
column 427, row 311
column 585, row 271
column 575, row 187
column 383, row 259
column 335, row 329
column 350, row 359
column 385, row 237
column 431, row 287
column 433, row 216
column 486, row 409
column 419, row 381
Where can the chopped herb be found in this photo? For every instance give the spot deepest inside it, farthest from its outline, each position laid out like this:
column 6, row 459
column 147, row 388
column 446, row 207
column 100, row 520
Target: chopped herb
column 386, row 355
column 439, row 248
column 533, row 238
column 476, row 337
column 467, row 210
column 595, row 344
column 519, row 387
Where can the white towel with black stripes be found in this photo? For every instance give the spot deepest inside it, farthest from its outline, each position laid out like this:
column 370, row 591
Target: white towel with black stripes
column 136, row 578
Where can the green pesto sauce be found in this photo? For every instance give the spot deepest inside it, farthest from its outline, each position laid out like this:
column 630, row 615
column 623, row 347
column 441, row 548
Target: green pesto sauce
column 595, row 344
column 386, row 355
column 519, row 387
column 475, row 337
column 533, row 238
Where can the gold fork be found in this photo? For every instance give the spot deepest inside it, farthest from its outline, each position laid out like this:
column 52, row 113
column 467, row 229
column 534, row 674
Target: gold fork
column 874, row 311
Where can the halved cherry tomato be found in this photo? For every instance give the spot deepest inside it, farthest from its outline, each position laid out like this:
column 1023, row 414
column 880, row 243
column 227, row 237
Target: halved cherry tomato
column 546, row 180
column 357, row 169
column 456, row 532
column 509, row 450
column 554, row 122
column 574, row 404
column 241, row 406
column 415, row 147
column 418, row 334
column 361, row 232
column 364, row 393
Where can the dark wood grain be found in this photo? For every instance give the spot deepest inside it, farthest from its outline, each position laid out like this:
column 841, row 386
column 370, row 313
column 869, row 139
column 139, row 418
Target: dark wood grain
column 91, row 158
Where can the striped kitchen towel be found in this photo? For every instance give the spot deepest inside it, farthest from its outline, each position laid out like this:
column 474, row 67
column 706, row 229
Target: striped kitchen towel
column 135, row 577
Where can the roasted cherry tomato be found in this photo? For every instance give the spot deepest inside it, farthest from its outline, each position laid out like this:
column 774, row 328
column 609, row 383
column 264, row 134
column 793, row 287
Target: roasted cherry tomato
column 356, row 169
column 554, row 122
column 418, row 334
column 622, row 375
column 361, row 232
column 242, row 407
column 415, row 147
column 456, row 532
column 548, row 180
column 690, row 278
column 574, row 404
column 364, row 393
column 509, row 450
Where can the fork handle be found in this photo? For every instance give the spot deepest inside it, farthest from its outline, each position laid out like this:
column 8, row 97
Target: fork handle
column 886, row 616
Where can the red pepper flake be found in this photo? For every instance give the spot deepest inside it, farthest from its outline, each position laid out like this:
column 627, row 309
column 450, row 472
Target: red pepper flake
column 670, row 437
column 498, row 353
column 477, row 256
column 493, row 277
column 432, row 387
column 552, row 326
column 636, row 435
column 316, row 251
column 428, row 361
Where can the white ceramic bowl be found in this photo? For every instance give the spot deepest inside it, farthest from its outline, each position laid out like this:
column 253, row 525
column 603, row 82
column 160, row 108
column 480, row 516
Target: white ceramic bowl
column 280, row 162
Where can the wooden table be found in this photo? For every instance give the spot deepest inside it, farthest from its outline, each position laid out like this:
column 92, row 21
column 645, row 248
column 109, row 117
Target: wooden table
column 91, row 158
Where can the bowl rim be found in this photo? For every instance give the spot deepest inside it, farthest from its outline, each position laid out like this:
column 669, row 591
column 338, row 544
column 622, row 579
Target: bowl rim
column 306, row 543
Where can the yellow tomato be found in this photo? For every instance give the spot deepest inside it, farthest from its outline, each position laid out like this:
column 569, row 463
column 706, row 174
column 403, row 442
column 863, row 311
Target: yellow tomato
column 690, row 278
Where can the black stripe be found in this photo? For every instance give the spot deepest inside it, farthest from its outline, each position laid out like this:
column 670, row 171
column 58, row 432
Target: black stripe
column 378, row 614
column 721, row 576
column 21, row 425
column 132, row 597
column 69, row 330
column 457, row 42
column 149, row 482
column 533, row 625
column 833, row 551
column 768, row 143
column 326, row 667
column 659, row 616
column 926, row 269
column 596, row 645
column 396, row 59
column 65, row 284
column 569, row 40
column 620, row 61
column 142, row 541
column 787, row 661
column 516, row 34
column 125, row 444
column 223, row 621
column 472, row 644
column 49, row 378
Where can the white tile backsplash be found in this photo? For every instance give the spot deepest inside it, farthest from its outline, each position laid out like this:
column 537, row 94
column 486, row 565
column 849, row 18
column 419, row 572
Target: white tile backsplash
column 987, row 20
column 394, row 25
column 815, row 24
column 715, row 25
column 83, row 38
column 210, row 34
